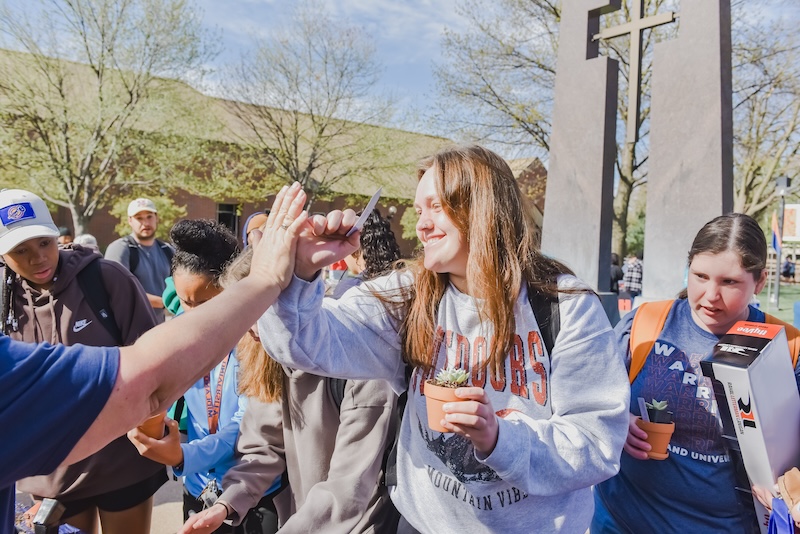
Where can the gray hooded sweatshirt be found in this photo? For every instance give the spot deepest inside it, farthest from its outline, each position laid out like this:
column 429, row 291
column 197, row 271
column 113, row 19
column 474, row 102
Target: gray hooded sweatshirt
column 563, row 417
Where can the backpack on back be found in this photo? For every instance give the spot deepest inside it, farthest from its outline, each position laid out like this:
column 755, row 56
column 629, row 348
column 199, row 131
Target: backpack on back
column 90, row 280
column 133, row 251
column 649, row 322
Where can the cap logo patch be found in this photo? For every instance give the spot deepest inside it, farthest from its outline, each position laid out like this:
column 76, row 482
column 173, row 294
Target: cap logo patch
column 16, row 213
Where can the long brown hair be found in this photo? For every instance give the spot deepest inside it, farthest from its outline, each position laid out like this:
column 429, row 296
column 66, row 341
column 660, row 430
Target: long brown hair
column 480, row 195
column 259, row 375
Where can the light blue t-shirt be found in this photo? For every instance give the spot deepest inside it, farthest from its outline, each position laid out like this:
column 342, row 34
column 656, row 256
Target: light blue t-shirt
column 693, row 489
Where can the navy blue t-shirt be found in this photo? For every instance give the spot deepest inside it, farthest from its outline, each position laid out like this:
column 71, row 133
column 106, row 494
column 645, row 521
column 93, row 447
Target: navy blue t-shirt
column 693, row 489
column 51, row 396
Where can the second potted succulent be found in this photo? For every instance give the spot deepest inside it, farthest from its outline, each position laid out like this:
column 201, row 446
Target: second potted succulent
column 659, row 427
column 441, row 390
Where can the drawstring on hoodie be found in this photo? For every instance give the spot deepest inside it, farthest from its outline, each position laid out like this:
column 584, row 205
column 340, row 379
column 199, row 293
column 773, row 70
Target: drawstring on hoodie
column 8, row 298
column 55, row 333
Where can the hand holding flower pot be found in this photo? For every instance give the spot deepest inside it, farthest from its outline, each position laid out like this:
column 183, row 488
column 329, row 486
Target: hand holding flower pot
column 154, row 426
column 659, row 428
column 441, row 390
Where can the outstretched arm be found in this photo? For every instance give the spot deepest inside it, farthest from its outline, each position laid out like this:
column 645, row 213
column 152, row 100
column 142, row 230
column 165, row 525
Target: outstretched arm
column 168, row 359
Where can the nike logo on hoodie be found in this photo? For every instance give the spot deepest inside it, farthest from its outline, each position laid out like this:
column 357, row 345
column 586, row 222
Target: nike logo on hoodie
column 80, row 325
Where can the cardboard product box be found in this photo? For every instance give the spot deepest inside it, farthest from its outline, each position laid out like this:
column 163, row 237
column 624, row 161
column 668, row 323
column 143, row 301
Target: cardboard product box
column 759, row 405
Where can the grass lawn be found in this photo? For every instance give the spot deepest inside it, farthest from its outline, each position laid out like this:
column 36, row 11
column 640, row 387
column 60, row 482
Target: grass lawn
column 790, row 292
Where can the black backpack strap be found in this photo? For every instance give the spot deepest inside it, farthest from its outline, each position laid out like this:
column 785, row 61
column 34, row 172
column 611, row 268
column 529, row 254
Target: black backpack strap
column 178, row 414
column 336, row 386
column 133, row 252
column 390, row 455
column 548, row 316
column 167, row 250
column 90, row 280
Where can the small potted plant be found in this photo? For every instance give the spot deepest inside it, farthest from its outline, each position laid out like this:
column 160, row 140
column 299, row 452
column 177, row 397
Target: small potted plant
column 441, row 390
column 154, row 426
column 659, row 427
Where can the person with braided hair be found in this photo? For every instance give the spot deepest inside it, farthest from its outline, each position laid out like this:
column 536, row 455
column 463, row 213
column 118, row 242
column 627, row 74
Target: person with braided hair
column 46, row 298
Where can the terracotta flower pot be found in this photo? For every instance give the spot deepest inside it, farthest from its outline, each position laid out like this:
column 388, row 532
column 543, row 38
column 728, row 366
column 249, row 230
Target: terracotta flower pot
column 435, row 398
column 658, row 436
column 154, row 426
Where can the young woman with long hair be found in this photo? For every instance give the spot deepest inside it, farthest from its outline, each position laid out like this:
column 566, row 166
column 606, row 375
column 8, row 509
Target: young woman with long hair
column 533, row 430
column 330, row 436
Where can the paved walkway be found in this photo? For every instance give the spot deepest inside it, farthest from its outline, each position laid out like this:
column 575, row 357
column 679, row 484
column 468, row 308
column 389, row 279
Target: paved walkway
column 168, row 509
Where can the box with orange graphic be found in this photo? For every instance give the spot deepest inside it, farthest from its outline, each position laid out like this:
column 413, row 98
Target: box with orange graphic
column 757, row 398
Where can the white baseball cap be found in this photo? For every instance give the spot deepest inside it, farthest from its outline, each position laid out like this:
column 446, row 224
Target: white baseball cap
column 141, row 204
column 23, row 216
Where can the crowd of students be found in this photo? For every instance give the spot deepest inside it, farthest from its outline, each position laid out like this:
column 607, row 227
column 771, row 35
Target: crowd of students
column 316, row 420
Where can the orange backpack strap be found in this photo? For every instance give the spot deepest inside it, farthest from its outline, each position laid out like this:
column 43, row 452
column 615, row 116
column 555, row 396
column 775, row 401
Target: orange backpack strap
column 647, row 324
column 792, row 335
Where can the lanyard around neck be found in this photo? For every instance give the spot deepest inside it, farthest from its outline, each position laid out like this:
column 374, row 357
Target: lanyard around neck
column 213, row 406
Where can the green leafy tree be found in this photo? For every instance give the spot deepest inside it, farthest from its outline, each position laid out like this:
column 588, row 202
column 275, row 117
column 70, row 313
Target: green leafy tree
column 168, row 214
column 409, row 224
column 79, row 102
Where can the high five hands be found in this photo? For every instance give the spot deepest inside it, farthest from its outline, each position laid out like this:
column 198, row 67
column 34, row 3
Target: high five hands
column 321, row 239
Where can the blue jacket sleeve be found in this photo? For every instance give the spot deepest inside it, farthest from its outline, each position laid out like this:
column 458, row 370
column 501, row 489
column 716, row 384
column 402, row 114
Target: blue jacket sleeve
column 200, row 455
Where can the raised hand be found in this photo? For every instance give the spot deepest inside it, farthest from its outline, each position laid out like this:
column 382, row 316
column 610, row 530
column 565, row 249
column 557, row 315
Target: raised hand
column 323, row 241
column 274, row 248
column 473, row 418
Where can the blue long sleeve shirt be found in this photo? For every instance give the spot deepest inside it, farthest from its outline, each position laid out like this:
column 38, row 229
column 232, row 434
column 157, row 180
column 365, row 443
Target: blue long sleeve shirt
column 206, row 455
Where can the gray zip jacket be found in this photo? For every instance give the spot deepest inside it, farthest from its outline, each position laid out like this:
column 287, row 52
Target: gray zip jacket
column 563, row 417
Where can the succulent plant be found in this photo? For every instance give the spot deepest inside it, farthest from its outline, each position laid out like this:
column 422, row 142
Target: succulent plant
column 656, row 405
column 657, row 412
column 451, row 377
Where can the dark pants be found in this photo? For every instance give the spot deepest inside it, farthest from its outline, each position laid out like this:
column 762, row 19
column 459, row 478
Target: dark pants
column 261, row 519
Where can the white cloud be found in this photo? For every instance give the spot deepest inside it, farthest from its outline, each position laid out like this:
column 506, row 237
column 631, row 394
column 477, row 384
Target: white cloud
column 407, row 34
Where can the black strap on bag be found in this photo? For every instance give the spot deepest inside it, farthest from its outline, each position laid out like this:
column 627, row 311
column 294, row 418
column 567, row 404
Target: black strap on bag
column 90, row 280
column 133, row 251
column 336, row 386
column 390, row 456
column 548, row 316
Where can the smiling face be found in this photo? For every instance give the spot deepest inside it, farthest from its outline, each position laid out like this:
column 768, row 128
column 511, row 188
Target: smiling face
column 35, row 260
column 719, row 290
column 446, row 249
column 193, row 289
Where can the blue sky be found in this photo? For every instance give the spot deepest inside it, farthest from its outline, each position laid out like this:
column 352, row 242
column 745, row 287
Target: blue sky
column 406, row 33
